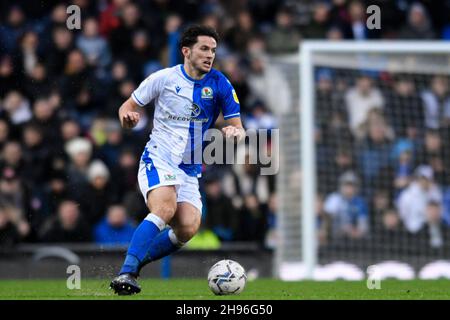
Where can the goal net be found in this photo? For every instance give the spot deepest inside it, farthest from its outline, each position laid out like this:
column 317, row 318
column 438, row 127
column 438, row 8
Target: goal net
column 364, row 158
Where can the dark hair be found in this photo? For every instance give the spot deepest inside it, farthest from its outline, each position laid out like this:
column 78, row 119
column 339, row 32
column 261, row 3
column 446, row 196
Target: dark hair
column 189, row 37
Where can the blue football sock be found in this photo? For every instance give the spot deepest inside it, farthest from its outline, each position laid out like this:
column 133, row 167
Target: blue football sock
column 163, row 245
column 140, row 243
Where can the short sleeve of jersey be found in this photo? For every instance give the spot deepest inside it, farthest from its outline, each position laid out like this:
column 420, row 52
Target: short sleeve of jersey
column 230, row 102
column 149, row 88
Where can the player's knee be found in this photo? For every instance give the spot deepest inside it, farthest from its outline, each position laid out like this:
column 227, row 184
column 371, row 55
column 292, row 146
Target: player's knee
column 187, row 231
column 165, row 211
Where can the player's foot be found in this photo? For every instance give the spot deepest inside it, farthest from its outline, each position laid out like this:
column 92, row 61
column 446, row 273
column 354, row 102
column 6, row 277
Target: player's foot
column 125, row 285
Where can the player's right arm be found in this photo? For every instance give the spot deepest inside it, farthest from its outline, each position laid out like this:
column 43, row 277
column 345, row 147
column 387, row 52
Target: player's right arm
column 148, row 90
column 128, row 115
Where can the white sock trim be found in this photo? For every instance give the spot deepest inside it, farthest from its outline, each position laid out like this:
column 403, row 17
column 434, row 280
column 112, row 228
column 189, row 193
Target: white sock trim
column 173, row 238
column 156, row 220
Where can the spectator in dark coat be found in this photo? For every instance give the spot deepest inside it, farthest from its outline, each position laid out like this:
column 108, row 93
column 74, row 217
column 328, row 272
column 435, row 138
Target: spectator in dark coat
column 221, row 217
column 67, row 226
column 98, row 194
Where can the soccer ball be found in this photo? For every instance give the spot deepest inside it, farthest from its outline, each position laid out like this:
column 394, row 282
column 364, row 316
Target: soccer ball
column 226, row 277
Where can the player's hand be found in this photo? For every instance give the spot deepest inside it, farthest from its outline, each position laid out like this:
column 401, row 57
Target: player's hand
column 130, row 119
column 232, row 131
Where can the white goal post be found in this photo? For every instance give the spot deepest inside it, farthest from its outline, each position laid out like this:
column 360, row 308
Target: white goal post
column 309, row 51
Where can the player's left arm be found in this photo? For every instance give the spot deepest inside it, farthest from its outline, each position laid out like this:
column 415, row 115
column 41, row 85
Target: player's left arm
column 231, row 111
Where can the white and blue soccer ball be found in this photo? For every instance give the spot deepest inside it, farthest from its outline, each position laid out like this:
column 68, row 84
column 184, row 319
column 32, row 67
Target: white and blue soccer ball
column 227, row 277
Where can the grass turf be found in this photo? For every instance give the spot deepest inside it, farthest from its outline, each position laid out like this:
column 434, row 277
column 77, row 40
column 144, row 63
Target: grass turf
column 197, row 289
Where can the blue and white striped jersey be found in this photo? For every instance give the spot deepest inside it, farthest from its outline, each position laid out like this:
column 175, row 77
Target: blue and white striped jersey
column 184, row 109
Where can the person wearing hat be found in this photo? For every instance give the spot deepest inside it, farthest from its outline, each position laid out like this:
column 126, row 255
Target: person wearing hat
column 348, row 210
column 414, row 201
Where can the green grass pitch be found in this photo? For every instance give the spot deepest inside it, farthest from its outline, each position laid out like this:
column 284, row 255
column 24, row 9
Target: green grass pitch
column 197, row 289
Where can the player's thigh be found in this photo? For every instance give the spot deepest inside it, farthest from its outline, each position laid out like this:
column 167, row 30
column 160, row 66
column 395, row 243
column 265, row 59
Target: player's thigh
column 163, row 201
column 187, row 219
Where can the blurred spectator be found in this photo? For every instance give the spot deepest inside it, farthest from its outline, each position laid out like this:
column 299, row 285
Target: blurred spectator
column 404, row 108
column 37, row 82
column 418, row 24
column 76, row 87
column 62, row 43
column 4, row 133
column 329, row 101
column 249, row 180
column 357, row 14
column 360, row 99
column 115, row 228
column 70, row 129
column 17, row 108
column 27, row 56
column 271, row 237
column 80, row 152
column 68, row 225
column 109, row 151
column 36, row 155
column 110, row 16
column 55, row 192
column 266, row 82
column 12, row 157
column 14, row 196
column 140, row 55
column 403, row 165
column 373, row 153
column 220, row 217
column 436, row 101
column 342, row 160
column 323, row 222
column 434, row 222
column 239, row 35
column 348, row 211
column 389, row 232
column 236, row 74
column 259, row 118
column 380, row 204
column 335, row 34
column 432, row 152
column 93, row 46
column 253, row 218
column 9, row 77
column 123, row 172
column 8, row 231
column 413, row 201
column 317, row 28
column 98, row 194
column 44, row 116
column 284, row 38
column 12, row 29
column 120, row 38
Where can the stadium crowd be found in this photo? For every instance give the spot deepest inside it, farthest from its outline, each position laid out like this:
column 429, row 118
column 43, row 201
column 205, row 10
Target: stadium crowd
column 68, row 170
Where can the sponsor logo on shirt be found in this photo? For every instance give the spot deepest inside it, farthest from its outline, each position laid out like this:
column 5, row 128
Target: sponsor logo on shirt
column 195, row 110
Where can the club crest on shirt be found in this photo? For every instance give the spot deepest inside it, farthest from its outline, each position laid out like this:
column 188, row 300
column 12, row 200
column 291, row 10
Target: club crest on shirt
column 207, row 93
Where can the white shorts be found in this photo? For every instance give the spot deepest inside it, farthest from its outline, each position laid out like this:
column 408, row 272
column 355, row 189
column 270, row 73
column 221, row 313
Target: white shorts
column 154, row 172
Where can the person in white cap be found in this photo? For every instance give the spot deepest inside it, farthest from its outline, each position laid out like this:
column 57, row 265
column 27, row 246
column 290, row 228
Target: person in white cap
column 414, row 201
